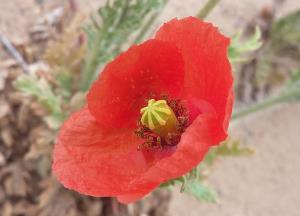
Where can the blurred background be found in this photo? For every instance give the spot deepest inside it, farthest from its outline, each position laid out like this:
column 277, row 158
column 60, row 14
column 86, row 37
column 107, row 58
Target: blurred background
column 50, row 52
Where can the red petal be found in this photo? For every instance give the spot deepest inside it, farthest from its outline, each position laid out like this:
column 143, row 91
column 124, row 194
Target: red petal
column 130, row 198
column 93, row 159
column 116, row 98
column 208, row 75
column 96, row 162
column 194, row 144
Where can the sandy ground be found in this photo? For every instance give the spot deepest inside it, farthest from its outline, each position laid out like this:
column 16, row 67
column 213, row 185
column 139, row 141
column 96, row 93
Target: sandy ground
column 266, row 184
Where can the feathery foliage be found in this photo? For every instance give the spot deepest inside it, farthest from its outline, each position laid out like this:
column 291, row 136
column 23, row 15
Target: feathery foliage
column 194, row 182
column 70, row 60
column 239, row 48
column 43, row 92
column 111, row 30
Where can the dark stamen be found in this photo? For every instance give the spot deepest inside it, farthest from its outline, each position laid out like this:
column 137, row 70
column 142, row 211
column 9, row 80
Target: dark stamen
column 153, row 140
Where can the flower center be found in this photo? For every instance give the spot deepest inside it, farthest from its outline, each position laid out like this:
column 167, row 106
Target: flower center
column 161, row 124
column 159, row 118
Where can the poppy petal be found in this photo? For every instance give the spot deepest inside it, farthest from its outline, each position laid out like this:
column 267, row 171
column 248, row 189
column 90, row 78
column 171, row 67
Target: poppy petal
column 130, row 198
column 153, row 67
column 208, row 73
column 194, row 144
column 96, row 151
column 93, row 161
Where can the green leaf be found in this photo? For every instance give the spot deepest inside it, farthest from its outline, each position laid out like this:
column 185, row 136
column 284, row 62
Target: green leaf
column 172, row 182
column 239, row 48
column 192, row 182
column 42, row 91
column 65, row 81
column 287, row 30
column 291, row 92
column 232, row 148
column 227, row 148
column 201, row 192
column 281, row 52
column 54, row 121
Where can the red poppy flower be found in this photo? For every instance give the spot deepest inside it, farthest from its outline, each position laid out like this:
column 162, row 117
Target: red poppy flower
column 103, row 151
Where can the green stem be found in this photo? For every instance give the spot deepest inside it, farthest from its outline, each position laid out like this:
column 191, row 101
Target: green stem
column 261, row 106
column 208, row 7
column 145, row 29
column 92, row 61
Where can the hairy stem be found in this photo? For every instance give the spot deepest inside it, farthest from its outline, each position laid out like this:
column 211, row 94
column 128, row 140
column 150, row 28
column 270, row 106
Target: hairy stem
column 145, row 29
column 208, row 7
column 262, row 105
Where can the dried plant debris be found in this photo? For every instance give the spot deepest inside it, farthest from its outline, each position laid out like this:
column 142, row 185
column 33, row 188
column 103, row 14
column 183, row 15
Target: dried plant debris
column 26, row 184
column 277, row 59
column 281, row 53
column 54, row 53
column 65, row 56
